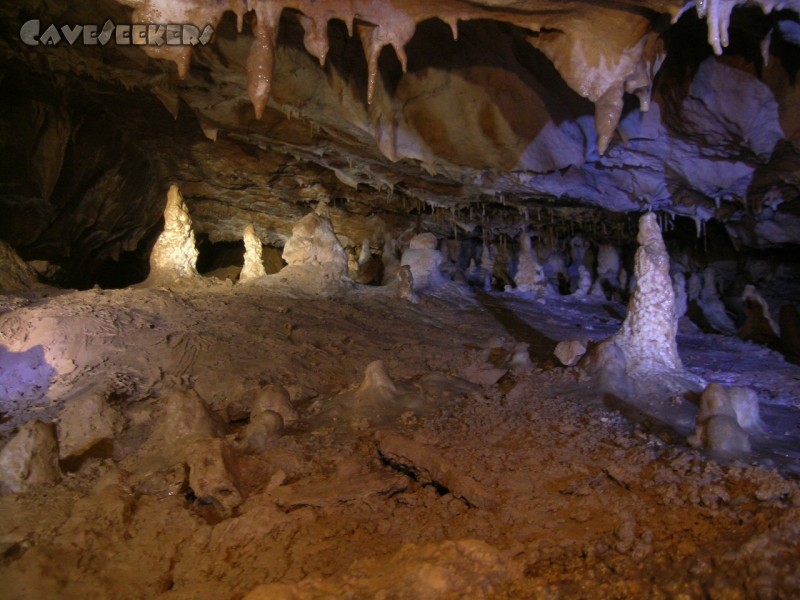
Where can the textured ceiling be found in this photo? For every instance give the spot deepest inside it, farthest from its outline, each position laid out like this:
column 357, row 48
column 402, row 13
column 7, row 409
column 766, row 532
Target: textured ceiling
column 462, row 115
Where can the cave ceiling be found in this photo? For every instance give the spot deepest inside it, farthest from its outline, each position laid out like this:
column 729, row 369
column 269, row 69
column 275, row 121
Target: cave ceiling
column 457, row 117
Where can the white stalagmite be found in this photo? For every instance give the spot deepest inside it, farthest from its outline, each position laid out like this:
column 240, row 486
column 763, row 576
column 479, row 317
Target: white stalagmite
column 253, row 264
column 424, row 261
column 719, row 427
column 712, row 305
column 584, row 283
column 487, row 266
column 647, row 336
column 174, row 255
column 365, row 254
column 530, row 275
column 751, row 296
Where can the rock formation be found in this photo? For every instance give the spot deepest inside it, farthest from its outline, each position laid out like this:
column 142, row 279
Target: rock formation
column 719, row 427
column 253, row 262
column 759, row 326
column 29, row 459
column 15, row 274
column 174, row 257
column 712, row 305
column 424, row 261
column 648, row 334
column 314, row 243
column 530, row 275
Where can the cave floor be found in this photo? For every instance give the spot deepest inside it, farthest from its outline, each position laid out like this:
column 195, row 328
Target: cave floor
column 479, row 479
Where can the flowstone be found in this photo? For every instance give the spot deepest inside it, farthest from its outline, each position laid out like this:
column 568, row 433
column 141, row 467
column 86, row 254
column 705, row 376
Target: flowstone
column 719, row 428
column 424, row 260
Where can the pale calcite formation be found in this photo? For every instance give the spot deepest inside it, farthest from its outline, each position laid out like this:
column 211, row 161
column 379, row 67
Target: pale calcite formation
column 174, row 255
column 313, row 242
column 405, row 284
column 377, row 387
column 609, row 263
column 681, row 297
column 365, row 253
column 718, row 428
column 570, row 352
column 488, row 257
column 757, row 313
column 424, row 260
column 584, row 282
column 184, row 416
column 391, row 262
column 86, row 422
column 263, row 427
column 275, row 398
column 530, row 275
column 253, row 261
column 712, row 305
column 647, row 336
column 30, row 459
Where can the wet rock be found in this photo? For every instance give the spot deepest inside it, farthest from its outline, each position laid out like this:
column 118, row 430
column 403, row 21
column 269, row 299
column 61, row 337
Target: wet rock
column 86, row 422
column 253, row 256
column 29, row 459
column 570, row 352
column 212, row 474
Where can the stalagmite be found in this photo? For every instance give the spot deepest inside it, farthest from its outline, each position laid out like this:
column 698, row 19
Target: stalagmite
column 377, row 387
column 405, row 284
column 277, row 399
column 391, row 262
column 365, row 254
column 759, row 325
column 253, row 261
column 487, row 266
column 712, row 306
column 584, row 283
column 681, row 298
column 174, row 255
column 313, row 242
column 530, row 275
column 424, row 260
column 648, row 334
column 718, row 427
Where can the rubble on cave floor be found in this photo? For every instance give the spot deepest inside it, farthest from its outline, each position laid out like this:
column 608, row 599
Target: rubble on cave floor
column 485, row 476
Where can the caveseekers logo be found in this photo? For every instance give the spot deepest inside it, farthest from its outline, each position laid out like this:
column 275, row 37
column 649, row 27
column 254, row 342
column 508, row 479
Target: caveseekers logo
column 137, row 34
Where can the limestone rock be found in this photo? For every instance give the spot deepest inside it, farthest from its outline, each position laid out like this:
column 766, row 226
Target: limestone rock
column 313, row 242
column 15, row 274
column 405, row 284
column 29, row 459
column 184, row 416
column 212, row 474
column 174, row 255
column 570, row 352
column 713, row 308
column 275, row 398
column 86, row 422
column 253, row 262
column 424, row 260
column 647, row 337
column 681, row 297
